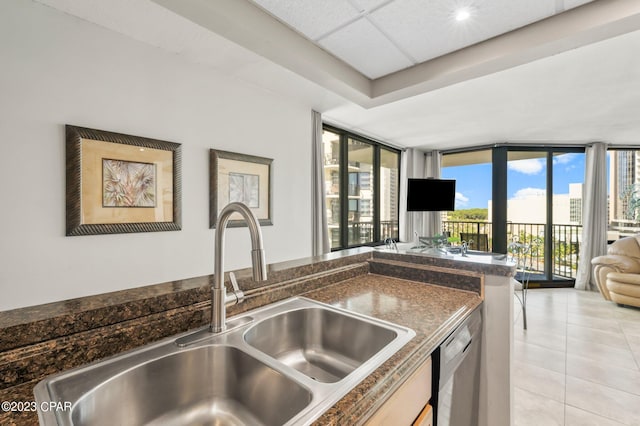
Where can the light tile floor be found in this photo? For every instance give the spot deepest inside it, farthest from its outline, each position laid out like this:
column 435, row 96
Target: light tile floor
column 578, row 363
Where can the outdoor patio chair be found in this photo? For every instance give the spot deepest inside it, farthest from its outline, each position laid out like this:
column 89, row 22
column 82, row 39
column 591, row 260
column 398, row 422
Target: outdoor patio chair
column 478, row 242
column 520, row 254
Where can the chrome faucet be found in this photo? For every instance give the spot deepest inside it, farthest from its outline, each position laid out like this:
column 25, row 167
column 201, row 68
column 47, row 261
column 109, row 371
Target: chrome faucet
column 465, row 247
column 390, row 243
column 220, row 298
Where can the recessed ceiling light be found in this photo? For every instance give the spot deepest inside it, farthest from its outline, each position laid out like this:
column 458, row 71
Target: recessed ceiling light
column 462, row 14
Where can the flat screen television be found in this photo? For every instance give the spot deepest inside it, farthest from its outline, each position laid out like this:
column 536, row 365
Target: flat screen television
column 431, row 195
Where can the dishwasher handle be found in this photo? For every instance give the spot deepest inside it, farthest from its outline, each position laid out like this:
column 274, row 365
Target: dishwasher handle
column 468, row 344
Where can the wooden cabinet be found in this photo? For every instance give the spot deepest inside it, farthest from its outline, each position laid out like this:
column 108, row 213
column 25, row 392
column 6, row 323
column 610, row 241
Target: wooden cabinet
column 425, row 418
column 408, row 402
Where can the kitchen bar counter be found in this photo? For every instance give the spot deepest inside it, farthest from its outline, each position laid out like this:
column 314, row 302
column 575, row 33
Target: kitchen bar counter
column 42, row 340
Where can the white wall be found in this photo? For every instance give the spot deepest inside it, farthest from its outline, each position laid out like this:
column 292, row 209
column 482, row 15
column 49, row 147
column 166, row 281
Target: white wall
column 57, row 70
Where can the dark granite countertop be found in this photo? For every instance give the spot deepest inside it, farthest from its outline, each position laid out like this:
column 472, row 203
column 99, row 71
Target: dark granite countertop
column 481, row 262
column 432, row 311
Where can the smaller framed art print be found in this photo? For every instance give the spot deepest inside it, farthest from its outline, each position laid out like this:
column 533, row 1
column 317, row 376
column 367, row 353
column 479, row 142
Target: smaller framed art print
column 241, row 178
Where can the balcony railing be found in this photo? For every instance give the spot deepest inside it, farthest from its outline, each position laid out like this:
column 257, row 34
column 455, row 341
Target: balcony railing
column 565, row 242
column 362, row 232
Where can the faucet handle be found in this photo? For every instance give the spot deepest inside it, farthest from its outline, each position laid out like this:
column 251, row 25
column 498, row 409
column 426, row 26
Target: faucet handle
column 236, row 296
column 234, row 282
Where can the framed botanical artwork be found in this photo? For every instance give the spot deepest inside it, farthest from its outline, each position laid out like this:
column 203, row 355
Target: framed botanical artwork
column 121, row 183
column 242, row 178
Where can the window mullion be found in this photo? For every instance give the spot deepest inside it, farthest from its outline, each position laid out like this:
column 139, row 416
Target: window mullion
column 344, row 191
column 376, row 194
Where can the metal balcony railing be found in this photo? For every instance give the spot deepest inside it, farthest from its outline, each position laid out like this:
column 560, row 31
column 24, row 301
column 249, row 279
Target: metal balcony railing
column 362, row 232
column 565, row 244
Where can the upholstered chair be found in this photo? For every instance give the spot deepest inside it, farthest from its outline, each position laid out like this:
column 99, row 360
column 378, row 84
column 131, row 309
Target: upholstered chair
column 617, row 273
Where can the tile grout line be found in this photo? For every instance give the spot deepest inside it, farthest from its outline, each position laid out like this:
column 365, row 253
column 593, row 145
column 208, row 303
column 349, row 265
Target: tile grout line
column 566, row 362
column 636, row 359
column 604, row 385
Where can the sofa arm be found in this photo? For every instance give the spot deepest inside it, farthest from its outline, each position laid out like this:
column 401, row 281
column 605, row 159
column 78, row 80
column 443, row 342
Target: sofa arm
column 600, row 273
column 603, row 265
column 618, row 263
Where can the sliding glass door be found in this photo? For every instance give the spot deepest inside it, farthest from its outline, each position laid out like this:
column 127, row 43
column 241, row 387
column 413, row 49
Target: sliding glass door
column 535, row 198
column 544, row 209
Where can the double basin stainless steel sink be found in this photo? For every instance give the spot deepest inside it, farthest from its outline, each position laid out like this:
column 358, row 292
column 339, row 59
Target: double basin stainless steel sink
column 285, row 363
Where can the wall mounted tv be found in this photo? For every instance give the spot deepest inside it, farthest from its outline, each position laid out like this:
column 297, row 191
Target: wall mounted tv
column 431, row 195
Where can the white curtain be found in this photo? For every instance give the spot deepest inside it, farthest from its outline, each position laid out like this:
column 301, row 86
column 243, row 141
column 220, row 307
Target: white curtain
column 320, row 230
column 411, row 166
column 594, row 214
column 433, row 220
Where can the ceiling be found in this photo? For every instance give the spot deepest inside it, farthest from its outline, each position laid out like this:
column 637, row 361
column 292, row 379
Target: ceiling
column 379, row 37
column 571, row 78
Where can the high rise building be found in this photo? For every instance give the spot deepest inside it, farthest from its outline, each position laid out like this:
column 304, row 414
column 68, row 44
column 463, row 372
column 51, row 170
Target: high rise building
column 575, row 203
column 624, row 175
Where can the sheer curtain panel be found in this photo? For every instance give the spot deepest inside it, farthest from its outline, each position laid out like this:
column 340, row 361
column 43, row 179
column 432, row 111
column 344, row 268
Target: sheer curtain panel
column 411, row 166
column 320, row 231
column 594, row 214
column 432, row 166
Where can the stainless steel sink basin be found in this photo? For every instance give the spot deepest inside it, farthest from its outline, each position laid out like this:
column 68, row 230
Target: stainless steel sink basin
column 323, row 344
column 285, row 363
column 205, row 385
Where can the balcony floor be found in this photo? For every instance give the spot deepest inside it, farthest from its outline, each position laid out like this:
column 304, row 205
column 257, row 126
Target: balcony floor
column 539, row 280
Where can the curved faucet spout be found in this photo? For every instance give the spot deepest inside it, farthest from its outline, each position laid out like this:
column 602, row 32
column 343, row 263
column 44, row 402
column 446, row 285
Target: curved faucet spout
column 218, row 308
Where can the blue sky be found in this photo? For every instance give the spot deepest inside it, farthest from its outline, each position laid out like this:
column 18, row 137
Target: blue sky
column 473, row 183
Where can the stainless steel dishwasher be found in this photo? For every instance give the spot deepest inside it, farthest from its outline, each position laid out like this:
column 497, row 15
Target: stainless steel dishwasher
column 457, row 373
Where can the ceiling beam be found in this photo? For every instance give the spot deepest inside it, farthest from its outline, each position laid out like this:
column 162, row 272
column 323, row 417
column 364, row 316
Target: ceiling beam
column 249, row 26
column 245, row 24
column 590, row 23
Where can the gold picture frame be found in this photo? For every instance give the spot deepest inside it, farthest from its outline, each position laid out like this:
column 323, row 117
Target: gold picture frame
column 120, row 183
column 243, row 178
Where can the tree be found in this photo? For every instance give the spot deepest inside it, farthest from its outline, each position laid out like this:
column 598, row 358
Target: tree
column 468, row 215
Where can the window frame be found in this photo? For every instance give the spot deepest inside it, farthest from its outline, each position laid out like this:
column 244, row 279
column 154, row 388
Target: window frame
column 344, row 137
column 499, row 164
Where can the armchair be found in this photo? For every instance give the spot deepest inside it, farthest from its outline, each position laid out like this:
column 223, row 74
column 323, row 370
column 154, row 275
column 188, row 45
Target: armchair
column 617, row 273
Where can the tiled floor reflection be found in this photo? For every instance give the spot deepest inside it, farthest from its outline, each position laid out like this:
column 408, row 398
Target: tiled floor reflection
column 579, row 361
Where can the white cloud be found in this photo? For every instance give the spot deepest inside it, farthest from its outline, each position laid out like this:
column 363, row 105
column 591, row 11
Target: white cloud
column 532, row 166
column 529, row 192
column 461, row 200
column 564, row 158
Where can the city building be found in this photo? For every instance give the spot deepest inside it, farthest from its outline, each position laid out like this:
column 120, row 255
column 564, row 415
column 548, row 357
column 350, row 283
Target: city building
column 624, row 181
column 532, row 208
